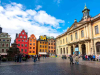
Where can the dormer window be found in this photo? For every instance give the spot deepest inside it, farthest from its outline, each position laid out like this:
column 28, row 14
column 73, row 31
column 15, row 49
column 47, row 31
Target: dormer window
column 24, row 36
column 20, row 36
column 75, row 26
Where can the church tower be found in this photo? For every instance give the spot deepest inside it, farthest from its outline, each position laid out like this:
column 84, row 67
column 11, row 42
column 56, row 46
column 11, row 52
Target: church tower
column 85, row 13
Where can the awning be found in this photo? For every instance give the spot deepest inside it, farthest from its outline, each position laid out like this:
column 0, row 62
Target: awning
column 43, row 53
column 3, row 53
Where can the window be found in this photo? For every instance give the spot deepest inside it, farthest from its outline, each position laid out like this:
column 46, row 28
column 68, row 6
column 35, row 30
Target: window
column 82, row 33
column 49, row 43
column 71, row 37
column 22, row 33
column 45, row 46
column 20, row 36
column 40, row 42
column 60, row 41
column 33, row 51
column 30, row 43
column 33, row 47
column 18, row 40
column 7, row 40
column 2, row 45
column 30, row 40
column 3, row 39
column 25, row 40
column 22, row 45
column 30, row 47
column 18, row 44
column 21, row 50
column 6, row 45
column 49, row 47
column 54, row 43
column 0, row 39
column 22, row 40
column 40, row 46
column 2, row 50
column 25, row 45
column 25, row 50
column 24, row 36
column 6, row 50
column 43, row 50
column 40, row 50
column 30, row 51
column 76, row 35
column 33, row 43
column 96, row 30
column 33, row 40
column 45, row 42
column 63, row 40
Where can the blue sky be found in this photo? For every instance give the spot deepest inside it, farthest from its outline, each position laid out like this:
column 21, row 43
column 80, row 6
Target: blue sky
column 52, row 17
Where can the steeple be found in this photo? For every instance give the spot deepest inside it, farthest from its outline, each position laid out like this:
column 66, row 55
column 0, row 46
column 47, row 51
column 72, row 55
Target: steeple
column 85, row 12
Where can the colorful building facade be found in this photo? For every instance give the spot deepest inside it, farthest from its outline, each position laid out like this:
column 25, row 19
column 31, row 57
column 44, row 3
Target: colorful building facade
column 81, row 38
column 51, row 45
column 5, row 40
column 42, row 45
column 22, row 41
column 32, row 45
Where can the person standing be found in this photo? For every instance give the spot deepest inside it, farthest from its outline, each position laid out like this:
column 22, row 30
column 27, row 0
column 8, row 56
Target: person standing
column 71, row 60
column 76, row 60
column 39, row 57
column 0, row 58
column 34, row 59
column 15, row 57
column 93, row 57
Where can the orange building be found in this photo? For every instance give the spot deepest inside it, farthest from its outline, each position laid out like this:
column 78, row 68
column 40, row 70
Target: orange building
column 32, row 45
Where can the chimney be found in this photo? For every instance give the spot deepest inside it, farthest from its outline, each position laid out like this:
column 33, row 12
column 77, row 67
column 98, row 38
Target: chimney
column 16, row 35
column 0, row 30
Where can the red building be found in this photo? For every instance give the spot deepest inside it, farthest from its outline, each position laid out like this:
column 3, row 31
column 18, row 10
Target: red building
column 22, row 41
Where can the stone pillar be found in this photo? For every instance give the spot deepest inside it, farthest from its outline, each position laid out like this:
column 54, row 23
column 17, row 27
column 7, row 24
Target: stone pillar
column 86, row 47
column 87, row 31
column 65, row 50
column 69, row 50
column 73, row 48
column 80, row 49
column 78, row 34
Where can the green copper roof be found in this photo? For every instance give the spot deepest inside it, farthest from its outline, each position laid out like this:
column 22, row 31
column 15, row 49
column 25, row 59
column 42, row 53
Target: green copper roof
column 85, row 7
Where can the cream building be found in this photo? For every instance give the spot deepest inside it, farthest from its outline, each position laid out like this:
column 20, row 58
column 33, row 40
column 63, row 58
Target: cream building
column 82, row 37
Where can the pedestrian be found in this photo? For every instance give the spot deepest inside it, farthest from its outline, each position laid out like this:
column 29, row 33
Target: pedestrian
column 15, row 57
column 71, row 60
column 93, row 57
column 45, row 56
column 39, row 57
column 0, row 58
column 20, row 58
column 77, row 60
column 34, row 59
column 99, row 58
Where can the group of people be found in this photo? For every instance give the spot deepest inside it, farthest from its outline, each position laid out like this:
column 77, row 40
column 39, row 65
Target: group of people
column 76, row 59
column 91, row 57
column 18, row 57
column 35, row 57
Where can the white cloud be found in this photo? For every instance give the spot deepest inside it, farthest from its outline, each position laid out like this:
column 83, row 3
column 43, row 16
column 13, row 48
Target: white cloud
column 38, row 7
column 13, row 18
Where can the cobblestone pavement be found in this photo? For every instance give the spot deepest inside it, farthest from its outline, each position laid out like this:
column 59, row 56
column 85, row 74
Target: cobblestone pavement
column 50, row 66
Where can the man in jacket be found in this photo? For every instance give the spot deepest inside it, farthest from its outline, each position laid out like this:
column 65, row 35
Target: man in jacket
column 71, row 60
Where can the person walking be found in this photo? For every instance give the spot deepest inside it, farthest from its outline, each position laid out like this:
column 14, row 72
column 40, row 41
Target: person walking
column 93, row 57
column 71, row 60
column 20, row 58
column 0, row 58
column 17, row 58
column 76, row 60
column 99, row 58
column 39, row 57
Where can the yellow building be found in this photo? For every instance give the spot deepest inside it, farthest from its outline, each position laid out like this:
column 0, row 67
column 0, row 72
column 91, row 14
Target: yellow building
column 82, row 37
column 42, row 45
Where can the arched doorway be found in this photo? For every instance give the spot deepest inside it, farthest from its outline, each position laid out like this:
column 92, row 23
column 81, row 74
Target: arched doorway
column 98, row 47
column 71, row 50
column 83, row 49
column 76, row 50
